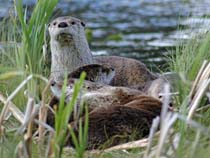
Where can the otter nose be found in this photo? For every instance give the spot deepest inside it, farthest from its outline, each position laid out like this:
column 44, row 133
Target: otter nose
column 53, row 83
column 62, row 25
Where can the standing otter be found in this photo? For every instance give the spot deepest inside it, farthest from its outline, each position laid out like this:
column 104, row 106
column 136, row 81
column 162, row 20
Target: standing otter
column 70, row 50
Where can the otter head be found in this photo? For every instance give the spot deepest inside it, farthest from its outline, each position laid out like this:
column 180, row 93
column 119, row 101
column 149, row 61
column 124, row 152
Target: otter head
column 96, row 76
column 56, row 88
column 66, row 29
column 69, row 46
column 95, row 73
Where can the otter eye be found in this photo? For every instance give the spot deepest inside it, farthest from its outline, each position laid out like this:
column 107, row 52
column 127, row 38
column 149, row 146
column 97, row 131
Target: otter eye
column 48, row 25
column 73, row 22
column 53, row 83
column 54, row 23
column 103, row 70
column 82, row 23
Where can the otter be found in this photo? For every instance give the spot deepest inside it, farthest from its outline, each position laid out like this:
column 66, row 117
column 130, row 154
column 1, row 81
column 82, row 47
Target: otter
column 97, row 83
column 70, row 50
column 113, row 122
column 116, row 124
column 94, row 72
column 96, row 94
column 113, row 125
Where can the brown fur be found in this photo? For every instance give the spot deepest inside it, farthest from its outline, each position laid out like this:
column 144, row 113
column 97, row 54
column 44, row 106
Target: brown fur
column 129, row 72
column 97, row 95
column 118, row 123
column 93, row 71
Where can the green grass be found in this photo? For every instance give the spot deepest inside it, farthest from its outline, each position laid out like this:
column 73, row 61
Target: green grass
column 33, row 35
column 115, row 37
column 187, row 58
column 32, row 38
column 62, row 119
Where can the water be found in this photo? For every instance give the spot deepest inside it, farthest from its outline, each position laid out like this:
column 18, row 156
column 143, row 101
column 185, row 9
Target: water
column 147, row 28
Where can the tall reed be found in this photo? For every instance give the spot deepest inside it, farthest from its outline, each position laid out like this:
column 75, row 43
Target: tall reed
column 29, row 55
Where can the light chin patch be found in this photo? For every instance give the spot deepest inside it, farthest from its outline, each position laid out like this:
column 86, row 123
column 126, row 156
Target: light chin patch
column 107, row 77
column 56, row 91
column 64, row 37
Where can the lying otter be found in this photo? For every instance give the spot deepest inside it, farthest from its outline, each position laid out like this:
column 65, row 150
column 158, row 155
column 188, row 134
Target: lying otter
column 99, row 74
column 96, row 93
column 70, row 50
column 117, row 114
column 109, row 126
column 102, row 76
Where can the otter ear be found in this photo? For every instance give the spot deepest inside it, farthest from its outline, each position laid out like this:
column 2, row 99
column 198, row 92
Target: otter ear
column 82, row 23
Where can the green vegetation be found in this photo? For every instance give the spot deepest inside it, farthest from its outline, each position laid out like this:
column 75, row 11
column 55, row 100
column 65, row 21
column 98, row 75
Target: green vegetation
column 89, row 35
column 182, row 134
column 61, row 122
column 114, row 37
column 186, row 60
column 189, row 57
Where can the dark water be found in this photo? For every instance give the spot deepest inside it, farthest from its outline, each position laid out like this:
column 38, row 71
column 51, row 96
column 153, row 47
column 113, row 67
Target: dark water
column 146, row 28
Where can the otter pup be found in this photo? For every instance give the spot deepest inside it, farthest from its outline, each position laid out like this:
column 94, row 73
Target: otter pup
column 109, row 126
column 70, row 50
